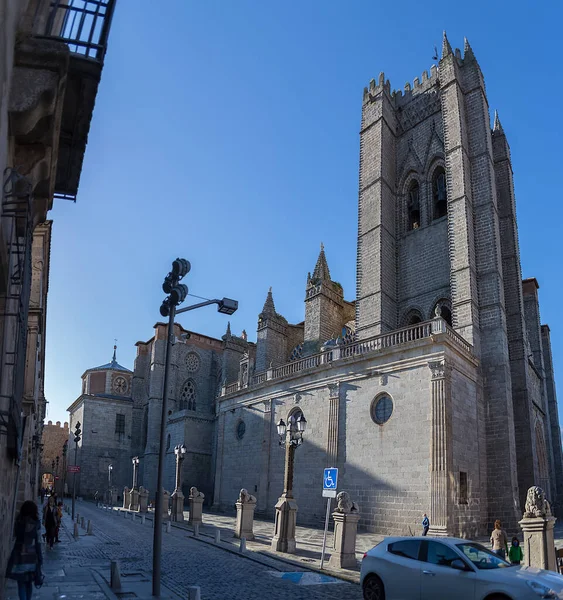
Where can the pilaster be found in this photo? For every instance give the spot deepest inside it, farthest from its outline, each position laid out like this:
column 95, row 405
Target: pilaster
column 263, row 503
column 333, row 424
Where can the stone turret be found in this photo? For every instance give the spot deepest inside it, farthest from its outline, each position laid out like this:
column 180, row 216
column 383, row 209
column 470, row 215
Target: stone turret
column 271, row 344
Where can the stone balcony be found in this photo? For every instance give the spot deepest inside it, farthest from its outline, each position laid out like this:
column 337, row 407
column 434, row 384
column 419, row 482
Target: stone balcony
column 429, row 330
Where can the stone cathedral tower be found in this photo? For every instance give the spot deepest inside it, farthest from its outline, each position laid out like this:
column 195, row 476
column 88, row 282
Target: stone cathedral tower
column 438, row 235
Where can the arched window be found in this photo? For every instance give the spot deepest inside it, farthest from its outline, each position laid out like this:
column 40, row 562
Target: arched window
column 414, row 319
column 413, row 205
column 439, row 193
column 188, row 395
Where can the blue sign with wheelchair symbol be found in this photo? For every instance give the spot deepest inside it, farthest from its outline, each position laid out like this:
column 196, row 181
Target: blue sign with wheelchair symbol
column 330, row 479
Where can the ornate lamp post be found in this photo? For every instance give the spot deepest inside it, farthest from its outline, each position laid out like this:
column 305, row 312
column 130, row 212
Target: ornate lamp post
column 134, row 496
column 291, row 437
column 177, row 497
column 110, row 469
column 135, row 461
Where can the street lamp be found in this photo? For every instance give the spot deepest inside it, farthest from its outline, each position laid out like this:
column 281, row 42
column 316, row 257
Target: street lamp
column 110, row 469
column 177, row 293
column 178, row 497
column 77, row 432
column 135, row 461
column 290, row 438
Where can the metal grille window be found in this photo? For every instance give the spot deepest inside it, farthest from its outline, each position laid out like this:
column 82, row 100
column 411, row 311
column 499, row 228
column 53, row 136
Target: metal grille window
column 120, row 423
column 381, row 409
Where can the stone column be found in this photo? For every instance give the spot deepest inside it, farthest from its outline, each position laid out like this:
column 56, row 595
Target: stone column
column 143, row 500
column 440, row 450
column 126, row 497
column 346, row 517
column 245, row 504
column 196, row 506
column 333, row 420
column 286, row 508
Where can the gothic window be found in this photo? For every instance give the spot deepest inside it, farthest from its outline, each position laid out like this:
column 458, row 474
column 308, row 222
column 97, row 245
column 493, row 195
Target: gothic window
column 439, row 193
column 120, row 424
column 296, row 352
column 381, row 409
column 413, row 206
column 188, row 396
column 443, row 310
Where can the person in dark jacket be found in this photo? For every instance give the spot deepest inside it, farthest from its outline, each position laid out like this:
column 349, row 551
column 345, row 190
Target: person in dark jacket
column 26, row 558
column 50, row 521
column 425, row 524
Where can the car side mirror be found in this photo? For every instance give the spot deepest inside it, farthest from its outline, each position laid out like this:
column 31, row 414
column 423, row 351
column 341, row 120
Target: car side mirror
column 458, row 564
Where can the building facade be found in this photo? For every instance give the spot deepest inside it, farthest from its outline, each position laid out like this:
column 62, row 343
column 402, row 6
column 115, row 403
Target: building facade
column 49, row 76
column 55, row 440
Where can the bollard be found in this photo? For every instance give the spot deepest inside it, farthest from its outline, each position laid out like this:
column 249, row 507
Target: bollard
column 196, row 529
column 217, row 536
column 77, row 518
column 142, row 519
column 168, row 526
column 89, row 530
column 115, row 576
column 75, row 532
column 194, row 592
column 82, row 522
column 242, row 547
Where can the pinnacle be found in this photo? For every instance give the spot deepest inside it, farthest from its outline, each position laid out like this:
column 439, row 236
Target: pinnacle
column 228, row 332
column 269, row 308
column 321, row 272
column 446, row 48
column 114, row 358
column 467, row 49
column 497, row 126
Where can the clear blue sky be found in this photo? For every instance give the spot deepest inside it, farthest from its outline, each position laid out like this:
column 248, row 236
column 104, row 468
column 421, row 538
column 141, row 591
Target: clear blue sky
column 227, row 133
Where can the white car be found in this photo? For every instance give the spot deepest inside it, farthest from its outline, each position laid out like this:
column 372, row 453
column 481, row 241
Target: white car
column 425, row 568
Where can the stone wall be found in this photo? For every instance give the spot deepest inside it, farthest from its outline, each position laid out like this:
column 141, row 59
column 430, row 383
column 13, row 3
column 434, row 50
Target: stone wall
column 53, row 439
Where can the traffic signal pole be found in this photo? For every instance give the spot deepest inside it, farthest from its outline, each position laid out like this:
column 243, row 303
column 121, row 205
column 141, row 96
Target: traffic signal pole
column 76, row 440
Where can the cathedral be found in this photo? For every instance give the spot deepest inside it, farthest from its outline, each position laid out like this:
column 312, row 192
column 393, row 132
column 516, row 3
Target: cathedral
column 432, row 391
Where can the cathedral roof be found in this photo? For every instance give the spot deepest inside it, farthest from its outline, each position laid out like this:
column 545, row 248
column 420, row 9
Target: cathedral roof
column 113, row 365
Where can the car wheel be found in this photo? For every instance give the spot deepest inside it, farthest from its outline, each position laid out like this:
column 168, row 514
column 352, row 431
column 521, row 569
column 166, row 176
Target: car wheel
column 497, row 597
column 373, row 588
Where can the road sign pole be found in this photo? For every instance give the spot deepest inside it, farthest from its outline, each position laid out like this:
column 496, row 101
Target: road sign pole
column 326, row 529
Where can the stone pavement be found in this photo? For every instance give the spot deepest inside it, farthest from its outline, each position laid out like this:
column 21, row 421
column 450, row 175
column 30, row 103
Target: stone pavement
column 220, row 570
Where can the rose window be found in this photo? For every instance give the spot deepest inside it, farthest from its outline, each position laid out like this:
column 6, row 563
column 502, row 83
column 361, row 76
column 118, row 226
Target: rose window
column 192, row 362
column 120, row 385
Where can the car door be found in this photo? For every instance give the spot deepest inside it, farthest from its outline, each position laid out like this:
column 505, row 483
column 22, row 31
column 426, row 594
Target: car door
column 401, row 573
column 439, row 580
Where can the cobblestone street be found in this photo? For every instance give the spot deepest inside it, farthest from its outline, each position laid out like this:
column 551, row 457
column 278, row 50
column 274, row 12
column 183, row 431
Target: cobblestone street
column 186, row 561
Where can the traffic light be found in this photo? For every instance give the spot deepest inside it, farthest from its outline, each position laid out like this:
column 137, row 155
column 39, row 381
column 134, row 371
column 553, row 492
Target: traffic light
column 176, row 291
column 180, row 268
column 77, row 432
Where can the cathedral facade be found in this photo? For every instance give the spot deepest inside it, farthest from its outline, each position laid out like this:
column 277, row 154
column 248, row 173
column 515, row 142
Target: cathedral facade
column 432, row 391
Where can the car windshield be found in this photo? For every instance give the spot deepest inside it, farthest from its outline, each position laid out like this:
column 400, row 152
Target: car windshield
column 482, row 558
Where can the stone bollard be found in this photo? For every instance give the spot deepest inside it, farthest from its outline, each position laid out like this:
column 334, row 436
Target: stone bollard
column 168, row 526
column 177, row 506
column 165, row 503
column 242, row 547
column 537, row 526
column 246, row 504
column 194, row 592
column 115, row 576
column 133, row 500
column 75, row 533
column 196, row 529
column 196, row 506
column 143, row 500
column 89, row 530
column 346, row 517
column 217, row 536
column 82, row 522
column 126, row 497
column 77, row 518
column 142, row 519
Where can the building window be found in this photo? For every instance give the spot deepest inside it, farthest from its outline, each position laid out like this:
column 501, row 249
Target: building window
column 381, row 409
column 462, row 487
column 241, row 429
column 413, row 206
column 188, row 396
column 439, row 193
column 120, row 424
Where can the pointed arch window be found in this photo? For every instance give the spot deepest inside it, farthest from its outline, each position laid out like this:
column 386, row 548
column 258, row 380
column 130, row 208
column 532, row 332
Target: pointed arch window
column 188, row 395
column 439, row 193
column 413, row 205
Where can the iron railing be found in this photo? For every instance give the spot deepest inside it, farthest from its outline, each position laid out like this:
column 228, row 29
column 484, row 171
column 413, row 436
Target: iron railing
column 82, row 24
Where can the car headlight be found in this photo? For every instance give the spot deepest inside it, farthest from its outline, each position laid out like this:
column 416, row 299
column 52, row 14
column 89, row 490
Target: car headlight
column 541, row 590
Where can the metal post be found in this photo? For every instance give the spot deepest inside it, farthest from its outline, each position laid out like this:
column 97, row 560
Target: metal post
column 74, row 478
column 157, row 541
column 326, row 529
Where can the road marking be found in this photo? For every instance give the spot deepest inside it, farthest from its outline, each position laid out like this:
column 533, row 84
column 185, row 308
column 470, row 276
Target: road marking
column 305, row 578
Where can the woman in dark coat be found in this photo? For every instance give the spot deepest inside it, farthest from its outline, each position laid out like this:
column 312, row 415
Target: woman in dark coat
column 50, row 518
column 26, row 559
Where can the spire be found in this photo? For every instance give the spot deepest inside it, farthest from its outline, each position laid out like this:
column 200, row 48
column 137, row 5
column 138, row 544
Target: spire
column 446, row 48
column 114, row 358
column 467, row 50
column 228, row 332
column 269, row 308
column 497, row 126
column 321, row 272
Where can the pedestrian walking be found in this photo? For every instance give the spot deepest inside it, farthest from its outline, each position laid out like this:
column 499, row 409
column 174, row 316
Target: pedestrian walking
column 515, row 553
column 50, row 521
column 24, row 564
column 499, row 540
column 425, row 524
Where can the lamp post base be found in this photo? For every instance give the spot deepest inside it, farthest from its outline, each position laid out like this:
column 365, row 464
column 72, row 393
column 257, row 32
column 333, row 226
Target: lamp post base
column 177, row 506
column 284, row 531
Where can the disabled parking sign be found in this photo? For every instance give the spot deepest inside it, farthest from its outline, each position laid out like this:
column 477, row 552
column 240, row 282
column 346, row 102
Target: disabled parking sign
column 330, row 482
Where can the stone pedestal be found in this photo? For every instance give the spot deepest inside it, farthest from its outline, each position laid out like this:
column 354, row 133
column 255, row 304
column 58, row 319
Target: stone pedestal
column 196, row 506
column 126, row 497
column 113, row 496
column 143, row 500
column 165, row 503
column 177, row 506
column 245, row 520
column 539, row 545
column 134, row 499
column 345, row 530
column 284, row 529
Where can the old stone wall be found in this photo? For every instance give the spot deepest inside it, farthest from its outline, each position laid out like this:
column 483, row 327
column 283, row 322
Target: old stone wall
column 53, row 439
